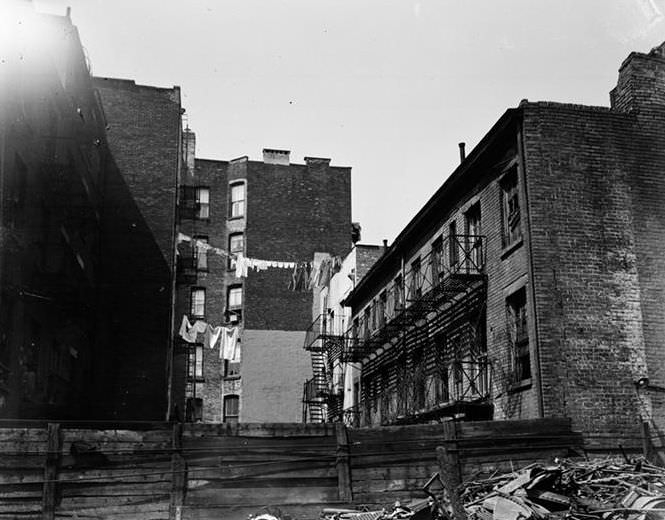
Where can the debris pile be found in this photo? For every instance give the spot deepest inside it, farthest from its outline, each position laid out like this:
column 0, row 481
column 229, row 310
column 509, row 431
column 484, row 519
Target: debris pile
column 570, row 490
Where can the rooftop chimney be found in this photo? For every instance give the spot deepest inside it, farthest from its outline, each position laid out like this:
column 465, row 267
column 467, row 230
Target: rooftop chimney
column 188, row 148
column 385, row 245
column 641, row 81
column 271, row 156
column 462, row 152
column 321, row 161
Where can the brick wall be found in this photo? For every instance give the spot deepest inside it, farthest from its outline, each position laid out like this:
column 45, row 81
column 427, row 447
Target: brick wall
column 292, row 212
column 213, row 175
column 138, row 244
column 641, row 92
column 578, row 170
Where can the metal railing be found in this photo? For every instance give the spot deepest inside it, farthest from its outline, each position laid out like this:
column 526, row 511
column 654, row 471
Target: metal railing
column 424, row 395
column 448, row 270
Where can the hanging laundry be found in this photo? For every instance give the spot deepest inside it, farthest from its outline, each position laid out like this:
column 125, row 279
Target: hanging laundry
column 242, row 264
column 189, row 332
column 229, row 343
column 324, row 274
column 183, row 238
column 211, row 336
column 314, row 277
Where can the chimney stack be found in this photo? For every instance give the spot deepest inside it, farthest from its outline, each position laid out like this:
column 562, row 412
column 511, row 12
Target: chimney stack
column 385, row 245
column 462, row 152
column 272, row 156
column 189, row 148
column 641, row 82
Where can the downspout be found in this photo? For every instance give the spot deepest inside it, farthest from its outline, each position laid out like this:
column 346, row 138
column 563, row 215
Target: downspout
column 170, row 358
column 521, row 169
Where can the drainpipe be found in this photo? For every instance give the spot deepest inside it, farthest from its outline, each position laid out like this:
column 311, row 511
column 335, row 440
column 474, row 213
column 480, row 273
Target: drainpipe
column 531, row 309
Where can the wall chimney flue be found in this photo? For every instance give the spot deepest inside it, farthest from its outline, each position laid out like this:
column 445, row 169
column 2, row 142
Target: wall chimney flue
column 272, row 156
column 462, row 152
column 189, row 148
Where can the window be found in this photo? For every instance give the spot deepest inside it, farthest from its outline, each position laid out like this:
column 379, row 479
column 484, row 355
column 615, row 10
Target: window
column 198, row 302
column 202, row 203
column 234, row 296
column 236, row 244
column 231, row 369
column 453, row 245
column 512, row 229
column 195, row 362
column 237, row 206
column 381, row 309
column 398, row 290
column 437, row 258
column 416, row 289
column 201, row 253
column 518, row 334
column 474, row 251
column 231, row 408
column 365, row 324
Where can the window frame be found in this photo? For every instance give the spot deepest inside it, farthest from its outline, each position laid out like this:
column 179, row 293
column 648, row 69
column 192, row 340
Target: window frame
column 511, row 221
column 234, row 289
column 517, row 326
column 233, row 251
column 240, row 203
column 200, row 253
column 235, row 417
column 202, row 209
column 193, row 303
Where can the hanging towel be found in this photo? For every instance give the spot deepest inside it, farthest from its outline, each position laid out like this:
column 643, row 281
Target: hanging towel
column 229, row 343
column 211, row 336
column 242, row 264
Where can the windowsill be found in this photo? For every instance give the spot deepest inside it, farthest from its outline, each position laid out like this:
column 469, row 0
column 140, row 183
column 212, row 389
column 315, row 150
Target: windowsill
column 236, row 218
column 519, row 386
column 232, row 378
column 508, row 250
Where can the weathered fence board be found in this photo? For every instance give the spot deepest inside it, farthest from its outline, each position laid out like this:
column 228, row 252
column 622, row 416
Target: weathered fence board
column 160, row 471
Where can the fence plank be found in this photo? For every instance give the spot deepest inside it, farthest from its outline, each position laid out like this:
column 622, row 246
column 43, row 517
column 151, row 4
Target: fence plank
column 179, row 476
column 343, row 466
column 53, row 447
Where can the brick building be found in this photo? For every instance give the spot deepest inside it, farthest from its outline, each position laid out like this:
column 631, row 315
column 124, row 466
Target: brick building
column 334, row 385
column 530, row 284
column 138, row 237
column 85, row 267
column 272, row 210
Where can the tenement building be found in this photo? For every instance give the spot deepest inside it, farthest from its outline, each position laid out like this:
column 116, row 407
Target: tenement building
column 249, row 230
column 335, row 382
column 531, row 283
column 88, row 170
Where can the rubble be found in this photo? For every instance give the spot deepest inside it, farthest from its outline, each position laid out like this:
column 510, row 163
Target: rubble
column 570, row 490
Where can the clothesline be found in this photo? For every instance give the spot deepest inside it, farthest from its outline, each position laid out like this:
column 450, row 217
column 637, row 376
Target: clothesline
column 229, row 346
column 305, row 277
column 200, row 244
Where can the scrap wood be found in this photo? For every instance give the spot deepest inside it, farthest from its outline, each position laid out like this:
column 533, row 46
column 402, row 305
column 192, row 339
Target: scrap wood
column 570, row 490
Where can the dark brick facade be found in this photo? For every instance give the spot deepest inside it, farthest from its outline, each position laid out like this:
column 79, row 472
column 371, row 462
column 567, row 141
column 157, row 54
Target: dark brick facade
column 144, row 139
column 86, row 269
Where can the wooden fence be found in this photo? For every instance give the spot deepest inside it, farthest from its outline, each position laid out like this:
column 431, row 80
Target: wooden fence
column 160, row 471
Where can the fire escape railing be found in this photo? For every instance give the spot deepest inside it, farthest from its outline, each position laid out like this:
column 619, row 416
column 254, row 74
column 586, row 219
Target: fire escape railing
column 447, row 271
column 420, row 396
column 320, row 400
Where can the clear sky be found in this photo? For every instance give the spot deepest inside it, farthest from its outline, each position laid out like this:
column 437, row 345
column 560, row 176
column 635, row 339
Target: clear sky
column 388, row 87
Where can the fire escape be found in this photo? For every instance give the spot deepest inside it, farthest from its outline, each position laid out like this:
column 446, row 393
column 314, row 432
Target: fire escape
column 322, row 395
column 422, row 342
